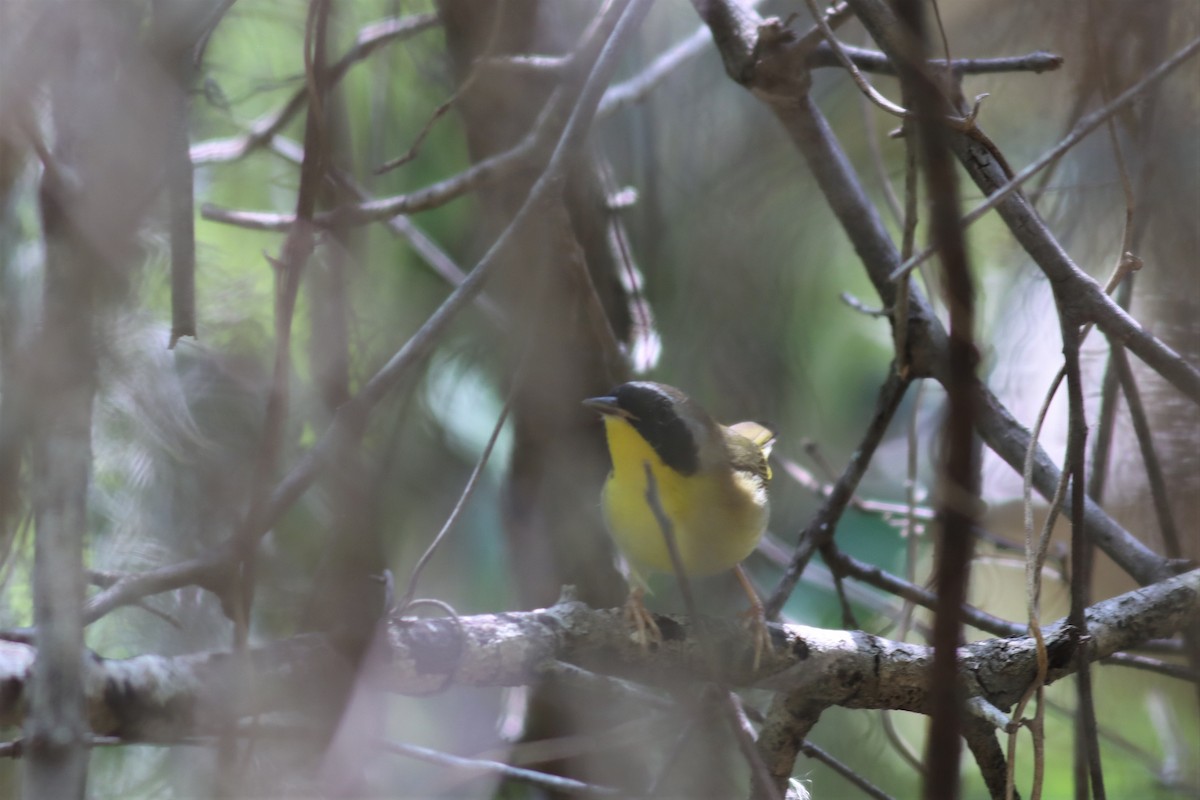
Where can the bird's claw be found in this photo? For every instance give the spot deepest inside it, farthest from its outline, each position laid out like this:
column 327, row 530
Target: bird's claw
column 755, row 619
column 641, row 619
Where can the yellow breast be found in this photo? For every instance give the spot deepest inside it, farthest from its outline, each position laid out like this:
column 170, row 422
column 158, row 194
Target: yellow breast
column 718, row 516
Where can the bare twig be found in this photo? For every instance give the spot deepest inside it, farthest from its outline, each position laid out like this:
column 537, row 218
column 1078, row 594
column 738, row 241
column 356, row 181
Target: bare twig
column 830, row 552
column 554, row 783
column 635, row 89
column 863, row 85
column 888, row 511
column 821, row 528
column 498, row 13
column 478, row 175
column 370, row 39
column 1156, row 665
column 871, row 134
column 874, row 61
column 1155, row 477
column 866, row 787
column 463, row 498
column 430, row 252
column 873, row 575
column 1088, row 764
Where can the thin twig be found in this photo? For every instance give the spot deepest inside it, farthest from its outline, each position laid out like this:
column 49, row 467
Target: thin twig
column 822, row 526
column 295, row 251
column 829, row 552
column 634, row 90
column 871, row 135
column 1035, row 557
column 480, row 174
column 1106, row 418
column 899, row 744
column 261, row 132
column 868, row 60
column 430, row 252
column 888, row 511
column 866, row 787
column 554, row 783
column 498, row 12
column 464, row 497
column 881, row 579
column 1088, row 747
column 862, row 83
column 908, row 236
column 1154, row 471
column 1155, row 665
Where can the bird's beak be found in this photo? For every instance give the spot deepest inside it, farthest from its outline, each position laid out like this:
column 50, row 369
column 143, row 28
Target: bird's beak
column 607, row 406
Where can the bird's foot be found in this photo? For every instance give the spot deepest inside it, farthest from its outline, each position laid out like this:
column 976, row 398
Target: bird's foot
column 755, row 618
column 641, row 619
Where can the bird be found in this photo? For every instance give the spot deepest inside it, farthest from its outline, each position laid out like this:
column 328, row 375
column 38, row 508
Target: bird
column 710, row 482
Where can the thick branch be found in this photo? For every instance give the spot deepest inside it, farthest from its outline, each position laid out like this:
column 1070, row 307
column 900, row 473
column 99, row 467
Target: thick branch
column 156, row 697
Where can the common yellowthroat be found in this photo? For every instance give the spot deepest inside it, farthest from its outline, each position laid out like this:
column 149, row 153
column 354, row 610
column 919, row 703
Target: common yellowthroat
column 711, row 482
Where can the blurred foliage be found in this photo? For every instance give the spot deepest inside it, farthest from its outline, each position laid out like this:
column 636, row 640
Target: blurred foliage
column 744, row 268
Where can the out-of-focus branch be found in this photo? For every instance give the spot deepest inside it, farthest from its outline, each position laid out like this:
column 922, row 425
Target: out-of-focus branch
column 430, row 252
column 438, row 194
column 1010, row 440
column 289, row 268
column 636, row 89
column 523, row 155
column 64, row 387
column 586, row 88
column 370, row 39
column 176, row 31
column 959, row 477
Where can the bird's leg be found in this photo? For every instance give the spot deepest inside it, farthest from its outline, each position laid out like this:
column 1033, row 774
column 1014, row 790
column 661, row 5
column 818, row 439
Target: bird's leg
column 636, row 613
column 755, row 617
